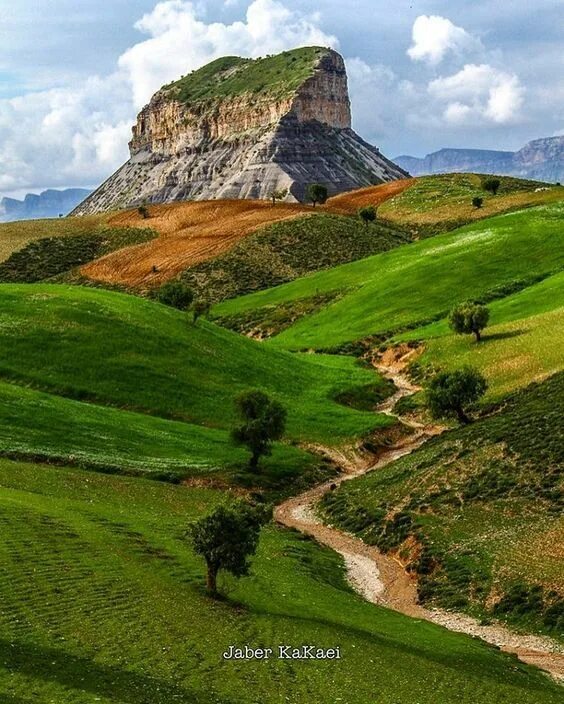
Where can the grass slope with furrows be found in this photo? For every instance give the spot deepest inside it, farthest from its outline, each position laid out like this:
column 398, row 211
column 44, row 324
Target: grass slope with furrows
column 286, row 250
column 476, row 512
column 522, row 343
column 131, row 353
column 103, row 600
column 417, row 283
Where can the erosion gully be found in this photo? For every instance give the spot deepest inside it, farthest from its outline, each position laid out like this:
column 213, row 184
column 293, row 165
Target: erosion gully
column 382, row 579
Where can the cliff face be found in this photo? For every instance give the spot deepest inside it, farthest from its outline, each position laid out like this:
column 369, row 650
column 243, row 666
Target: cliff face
column 541, row 159
column 239, row 129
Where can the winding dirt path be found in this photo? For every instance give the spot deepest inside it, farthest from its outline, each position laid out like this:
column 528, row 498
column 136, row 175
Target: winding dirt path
column 380, row 578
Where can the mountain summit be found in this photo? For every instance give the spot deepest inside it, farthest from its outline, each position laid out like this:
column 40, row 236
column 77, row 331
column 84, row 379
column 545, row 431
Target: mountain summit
column 240, row 128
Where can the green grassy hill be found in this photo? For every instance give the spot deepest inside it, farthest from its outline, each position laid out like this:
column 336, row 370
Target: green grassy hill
column 49, row 428
column 129, row 353
column 522, row 343
column 48, row 257
column 289, row 249
column 410, row 285
column 17, row 235
column 443, row 202
column 103, row 601
column 477, row 512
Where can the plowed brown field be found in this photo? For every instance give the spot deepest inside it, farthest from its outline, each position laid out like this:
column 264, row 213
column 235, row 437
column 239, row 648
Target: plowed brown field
column 349, row 202
column 190, row 232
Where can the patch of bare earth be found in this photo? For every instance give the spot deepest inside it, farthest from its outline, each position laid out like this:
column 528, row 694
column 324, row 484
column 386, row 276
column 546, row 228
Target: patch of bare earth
column 189, row 233
column 349, row 202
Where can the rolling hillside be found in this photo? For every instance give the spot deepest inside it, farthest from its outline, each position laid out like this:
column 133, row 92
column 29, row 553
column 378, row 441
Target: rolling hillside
column 522, row 343
column 96, row 346
column 476, row 513
column 410, row 285
column 189, row 233
column 14, row 236
column 103, row 601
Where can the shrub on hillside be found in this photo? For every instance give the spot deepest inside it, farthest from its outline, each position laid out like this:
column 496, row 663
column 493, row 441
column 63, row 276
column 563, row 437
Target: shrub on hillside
column 175, row 294
column 452, row 393
column 227, row 538
column 263, row 420
column 317, row 193
column 367, row 214
column 469, row 318
column 491, row 185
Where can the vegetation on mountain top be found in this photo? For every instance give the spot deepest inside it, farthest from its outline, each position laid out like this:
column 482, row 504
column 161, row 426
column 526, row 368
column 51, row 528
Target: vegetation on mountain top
column 277, row 76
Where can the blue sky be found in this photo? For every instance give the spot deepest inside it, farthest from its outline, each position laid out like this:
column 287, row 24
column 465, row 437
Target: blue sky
column 423, row 74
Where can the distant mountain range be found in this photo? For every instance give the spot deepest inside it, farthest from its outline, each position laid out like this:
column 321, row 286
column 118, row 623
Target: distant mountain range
column 48, row 204
column 541, row 160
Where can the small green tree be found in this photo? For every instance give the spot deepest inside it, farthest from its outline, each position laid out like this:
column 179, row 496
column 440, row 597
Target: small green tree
column 491, row 185
column 200, row 308
column 317, row 193
column 477, row 202
column 143, row 211
column 263, row 421
column 367, row 214
column 275, row 195
column 227, row 538
column 469, row 319
column 175, row 294
column 451, row 393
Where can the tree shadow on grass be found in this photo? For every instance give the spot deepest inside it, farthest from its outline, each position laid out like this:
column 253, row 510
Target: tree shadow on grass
column 501, row 335
column 85, row 675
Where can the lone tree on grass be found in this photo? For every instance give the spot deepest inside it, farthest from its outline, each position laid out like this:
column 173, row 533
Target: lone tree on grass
column 263, row 421
column 469, row 318
column 477, row 202
column 175, row 294
column 227, row 538
column 367, row 214
column 317, row 193
column 279, row 194
column 451, row 393
column 491, row 185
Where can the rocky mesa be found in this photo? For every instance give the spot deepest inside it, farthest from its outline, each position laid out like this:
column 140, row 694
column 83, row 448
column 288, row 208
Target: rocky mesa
column 241, row 128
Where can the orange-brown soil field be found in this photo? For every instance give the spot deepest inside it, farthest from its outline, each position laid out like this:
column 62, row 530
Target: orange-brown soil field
column 195, row 231
column 190, row 232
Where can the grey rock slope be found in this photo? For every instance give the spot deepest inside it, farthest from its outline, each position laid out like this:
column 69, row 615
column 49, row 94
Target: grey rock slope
column 48, row 204
column 541, row 160
column 217, row 134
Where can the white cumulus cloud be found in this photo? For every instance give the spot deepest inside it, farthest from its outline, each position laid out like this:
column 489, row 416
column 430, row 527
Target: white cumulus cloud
column 179, row 41
column 78, row 135
column 435, row 36
column 479, row 93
